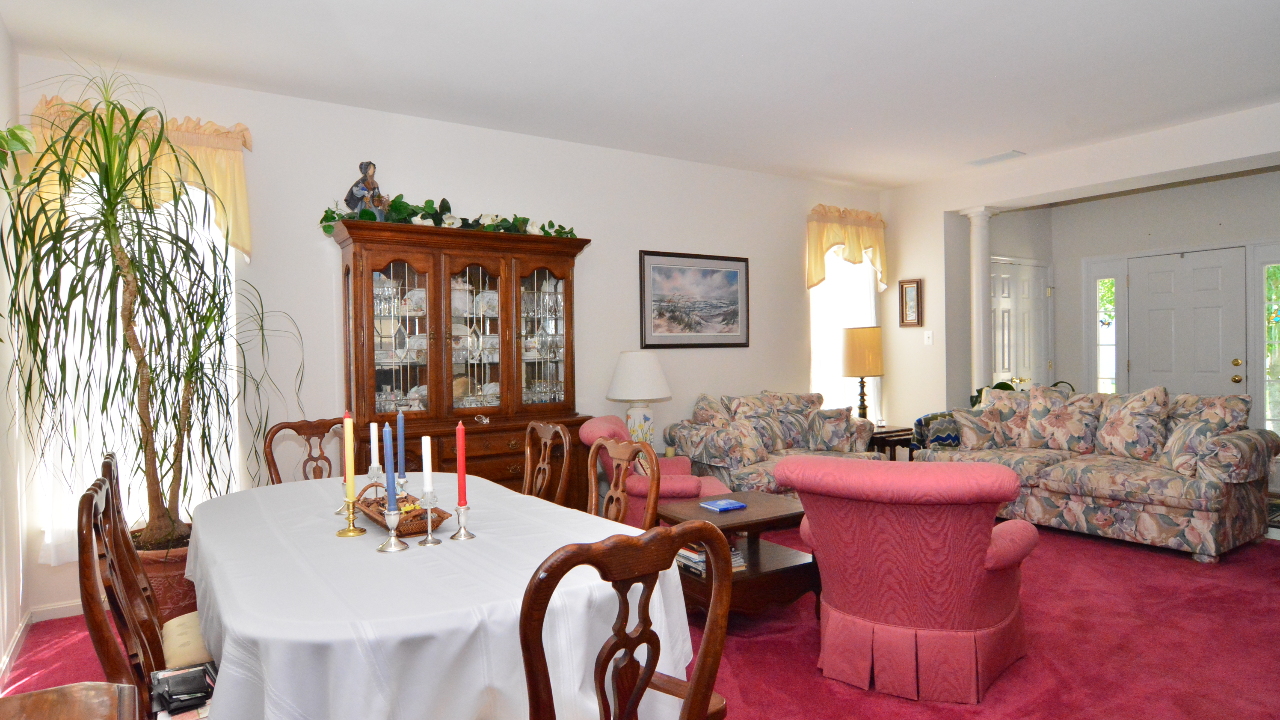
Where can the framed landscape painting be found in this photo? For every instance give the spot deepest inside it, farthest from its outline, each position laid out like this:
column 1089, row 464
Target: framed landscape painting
column 693, row 300
column 911, row 303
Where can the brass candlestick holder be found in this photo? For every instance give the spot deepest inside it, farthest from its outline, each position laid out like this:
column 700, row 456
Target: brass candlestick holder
column 463, row 533
column 430, row 539
column 349, row 507
column 392, row 543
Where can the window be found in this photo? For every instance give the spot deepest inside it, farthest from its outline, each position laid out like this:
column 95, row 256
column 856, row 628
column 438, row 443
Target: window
column 1106, row 337
column 1271, row 350
column 847, row 298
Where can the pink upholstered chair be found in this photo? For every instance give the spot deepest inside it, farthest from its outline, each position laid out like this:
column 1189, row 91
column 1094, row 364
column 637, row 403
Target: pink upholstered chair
column 920, row 592
column 678, row 480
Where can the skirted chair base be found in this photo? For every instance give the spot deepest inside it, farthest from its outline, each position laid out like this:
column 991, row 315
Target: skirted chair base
column 918, row 663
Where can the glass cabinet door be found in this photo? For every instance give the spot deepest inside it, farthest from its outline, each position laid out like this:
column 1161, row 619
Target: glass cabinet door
column 542, row 338
column 400, row 339
column 476, row 336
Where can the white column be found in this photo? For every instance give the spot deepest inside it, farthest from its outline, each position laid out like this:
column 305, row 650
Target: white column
column 980, row 294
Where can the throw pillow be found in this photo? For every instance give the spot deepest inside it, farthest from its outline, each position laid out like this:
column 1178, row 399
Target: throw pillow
column 1133, row 426
column 792, row 411
column 1061, row 422
column 978, row 427
column 1013, row 407
column 770, row 432
column 1186, row 442
column 1231, row 410
column 743, row 445
column 832, row 430
column 710, row 411
column 749, row 406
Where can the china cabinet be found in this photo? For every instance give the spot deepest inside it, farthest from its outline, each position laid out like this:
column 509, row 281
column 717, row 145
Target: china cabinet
column 452, row 325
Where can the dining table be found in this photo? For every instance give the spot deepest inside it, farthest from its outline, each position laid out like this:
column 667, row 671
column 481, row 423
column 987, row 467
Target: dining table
column 305, row 625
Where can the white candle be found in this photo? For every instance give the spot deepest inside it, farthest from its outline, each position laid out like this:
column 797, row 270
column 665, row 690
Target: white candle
column 428, row 485
column 373, row 443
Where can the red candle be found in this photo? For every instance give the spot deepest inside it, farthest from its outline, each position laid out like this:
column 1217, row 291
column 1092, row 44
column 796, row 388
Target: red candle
column 462, row 465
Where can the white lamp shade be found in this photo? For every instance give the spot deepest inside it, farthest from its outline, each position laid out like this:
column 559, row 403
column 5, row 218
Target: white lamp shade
column 638, row 376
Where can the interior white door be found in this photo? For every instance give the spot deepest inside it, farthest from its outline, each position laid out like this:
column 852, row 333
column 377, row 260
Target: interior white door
column 1021, row 314
column 1187, row 322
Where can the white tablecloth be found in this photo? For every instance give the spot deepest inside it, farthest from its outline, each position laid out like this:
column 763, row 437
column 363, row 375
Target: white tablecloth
column 307, row 626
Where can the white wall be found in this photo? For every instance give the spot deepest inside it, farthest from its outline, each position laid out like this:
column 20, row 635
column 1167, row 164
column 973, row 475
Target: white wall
column 920, row 242
column 1214, row 214
column 306, row 155
column 12, row 608
column 1025, row 234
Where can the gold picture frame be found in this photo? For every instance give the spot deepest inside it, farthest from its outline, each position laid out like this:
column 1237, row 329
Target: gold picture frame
column 911, row 303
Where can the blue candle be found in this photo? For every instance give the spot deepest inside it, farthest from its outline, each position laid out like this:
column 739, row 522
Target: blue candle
column 400, row 444
column 390, row 468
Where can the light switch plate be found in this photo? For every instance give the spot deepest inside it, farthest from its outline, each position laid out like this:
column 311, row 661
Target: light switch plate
column 928, row 337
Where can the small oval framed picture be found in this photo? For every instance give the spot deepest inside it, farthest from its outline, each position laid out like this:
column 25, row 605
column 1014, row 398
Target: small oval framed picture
column 911, row 303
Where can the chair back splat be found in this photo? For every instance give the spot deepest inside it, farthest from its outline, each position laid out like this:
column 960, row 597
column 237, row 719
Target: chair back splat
column 625, row 561
column 619, row 455
column 539, row 441
column 316, row 464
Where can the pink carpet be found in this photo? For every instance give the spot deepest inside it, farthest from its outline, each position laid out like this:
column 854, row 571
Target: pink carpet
column 1116, row 631
column 56, row 652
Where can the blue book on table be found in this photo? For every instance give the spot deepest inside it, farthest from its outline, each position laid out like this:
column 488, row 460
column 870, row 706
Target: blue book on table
column 723, row 505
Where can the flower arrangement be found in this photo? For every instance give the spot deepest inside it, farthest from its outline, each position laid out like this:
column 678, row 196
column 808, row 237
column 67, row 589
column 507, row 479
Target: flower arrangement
column 398, row 210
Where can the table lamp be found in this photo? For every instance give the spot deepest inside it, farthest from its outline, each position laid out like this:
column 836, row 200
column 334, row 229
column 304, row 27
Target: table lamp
column 638, row 380
column 862, row 360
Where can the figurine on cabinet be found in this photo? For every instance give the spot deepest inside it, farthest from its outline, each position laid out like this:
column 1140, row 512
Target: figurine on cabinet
column 364, row 193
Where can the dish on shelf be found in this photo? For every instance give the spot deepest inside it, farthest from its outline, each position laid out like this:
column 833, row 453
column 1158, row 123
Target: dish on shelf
column 415, row 302
column 486, row 304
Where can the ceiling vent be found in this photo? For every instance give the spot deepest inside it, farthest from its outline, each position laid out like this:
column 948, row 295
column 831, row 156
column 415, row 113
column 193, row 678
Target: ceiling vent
column 997, row 158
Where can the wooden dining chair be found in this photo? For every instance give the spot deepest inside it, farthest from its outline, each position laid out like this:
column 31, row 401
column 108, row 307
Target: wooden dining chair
column 619, row 456
column 121, row 548
column 127, row 661
column 625, row 561
column 316, row 464
column 79, row 701
column 539, row 479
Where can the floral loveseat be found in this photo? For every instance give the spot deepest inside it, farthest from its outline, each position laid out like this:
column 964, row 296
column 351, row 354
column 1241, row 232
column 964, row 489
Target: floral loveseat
column 740, row 439
column 1184, row 473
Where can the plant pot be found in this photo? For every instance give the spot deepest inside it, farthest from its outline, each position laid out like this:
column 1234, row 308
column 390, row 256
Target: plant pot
column 166, row 570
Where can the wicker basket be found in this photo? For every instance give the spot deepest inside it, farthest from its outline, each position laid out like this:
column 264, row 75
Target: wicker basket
column 412, row 522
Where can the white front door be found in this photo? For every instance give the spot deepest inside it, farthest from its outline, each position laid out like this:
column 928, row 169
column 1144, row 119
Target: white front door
column 1021, row 313
column 1187, row 322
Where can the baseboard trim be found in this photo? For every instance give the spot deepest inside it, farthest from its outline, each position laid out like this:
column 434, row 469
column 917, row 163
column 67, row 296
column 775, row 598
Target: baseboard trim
column 11, row 652
column 56, row 610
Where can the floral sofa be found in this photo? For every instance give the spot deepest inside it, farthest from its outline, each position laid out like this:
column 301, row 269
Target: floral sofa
column 1184, row 473
column 740, row 439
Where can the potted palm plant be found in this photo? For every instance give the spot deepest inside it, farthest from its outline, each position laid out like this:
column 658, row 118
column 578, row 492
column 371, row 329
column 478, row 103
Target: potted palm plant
column 120, row 311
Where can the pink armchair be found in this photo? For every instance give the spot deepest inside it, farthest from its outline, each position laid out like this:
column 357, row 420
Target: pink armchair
column 920, row 592
column 677, row 479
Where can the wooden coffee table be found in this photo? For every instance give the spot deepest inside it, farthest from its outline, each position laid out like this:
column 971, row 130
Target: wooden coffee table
column 775, row 575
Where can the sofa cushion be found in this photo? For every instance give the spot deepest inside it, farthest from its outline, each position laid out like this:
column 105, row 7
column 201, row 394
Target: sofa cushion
column 1058, row 421
column 1232, row 411
column 749, row 406
column 832, row 430
column 1012, row 406
column 978, row 427
column 1132, row 425
column 1026, row 463
column 710, row 411
column 1119, row 478
column 1187, row 440
column 770, row 432
column 793, row 411
column 760, row 475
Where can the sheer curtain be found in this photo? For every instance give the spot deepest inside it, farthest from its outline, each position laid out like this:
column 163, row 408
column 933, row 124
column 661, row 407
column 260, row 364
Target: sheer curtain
column 847, row 298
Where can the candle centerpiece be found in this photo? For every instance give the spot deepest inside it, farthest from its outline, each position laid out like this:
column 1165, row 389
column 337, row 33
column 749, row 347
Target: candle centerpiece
column 428, row 492
column 349, row 477
column 461, row 439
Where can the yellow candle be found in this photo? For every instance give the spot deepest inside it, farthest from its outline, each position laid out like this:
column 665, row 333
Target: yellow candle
column 349, row 455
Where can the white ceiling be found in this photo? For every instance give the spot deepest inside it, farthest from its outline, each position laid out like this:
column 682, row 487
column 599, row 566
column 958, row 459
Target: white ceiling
column 880, row 93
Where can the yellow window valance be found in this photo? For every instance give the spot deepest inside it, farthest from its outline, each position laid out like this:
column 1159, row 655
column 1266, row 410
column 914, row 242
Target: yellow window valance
column 216, row 150
column 859, row 232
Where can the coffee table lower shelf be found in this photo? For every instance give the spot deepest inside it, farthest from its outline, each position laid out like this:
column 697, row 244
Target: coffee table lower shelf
column 775, row 576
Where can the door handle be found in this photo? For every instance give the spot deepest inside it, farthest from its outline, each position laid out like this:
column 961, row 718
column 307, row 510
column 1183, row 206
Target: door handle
column 1237, row 362
column 1236, row 379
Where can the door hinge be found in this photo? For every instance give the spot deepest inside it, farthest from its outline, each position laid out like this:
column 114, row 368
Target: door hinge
column 1128, row 366
column 1050, row 364
column 1126, row 281
column 1048, row 292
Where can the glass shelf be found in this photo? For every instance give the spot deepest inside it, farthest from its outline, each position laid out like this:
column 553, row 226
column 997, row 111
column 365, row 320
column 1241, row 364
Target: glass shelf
column 542, row 324
column 400, row 339
column 476, row 338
